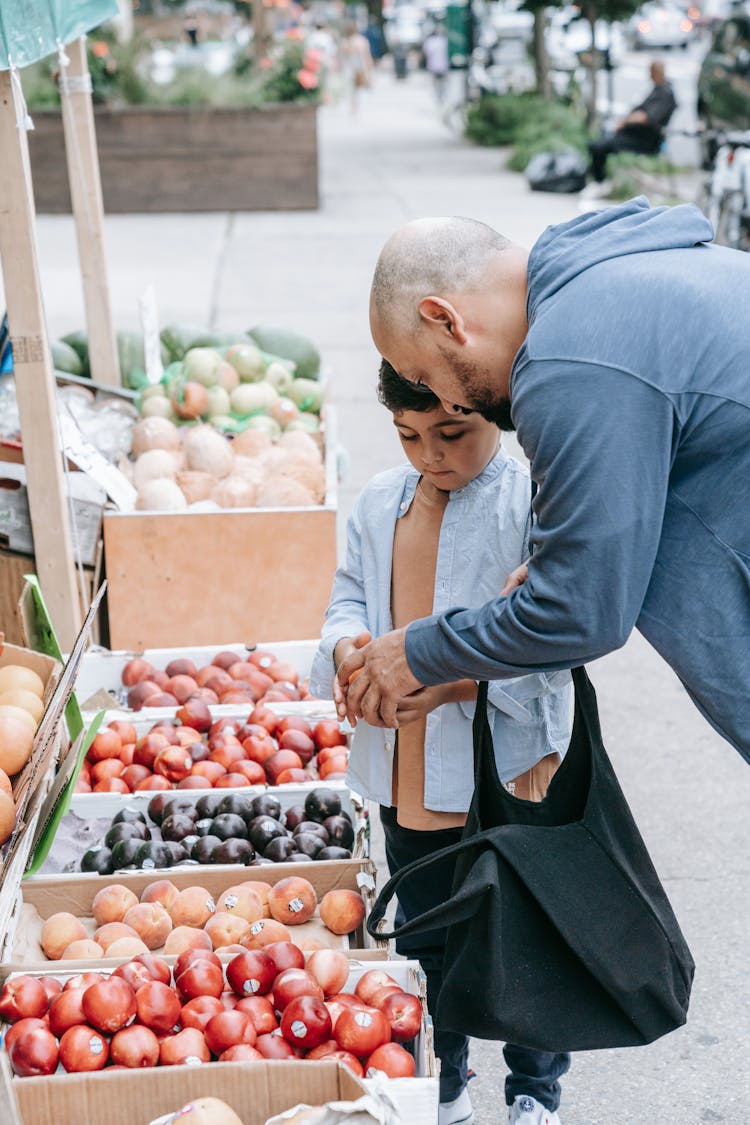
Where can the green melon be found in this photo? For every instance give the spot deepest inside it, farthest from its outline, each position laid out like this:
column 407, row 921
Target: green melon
column 64, row 358
column 289, row 345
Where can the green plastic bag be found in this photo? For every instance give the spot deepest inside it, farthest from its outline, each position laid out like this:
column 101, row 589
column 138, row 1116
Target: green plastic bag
column 32, row 29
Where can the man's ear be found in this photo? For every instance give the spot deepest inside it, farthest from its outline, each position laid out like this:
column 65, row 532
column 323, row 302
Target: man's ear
column 441, row 314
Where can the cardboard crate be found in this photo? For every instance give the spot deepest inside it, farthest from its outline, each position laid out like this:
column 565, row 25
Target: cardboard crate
column 41, row 896
column 91, row 815
column 144, row 720
column 415, row 1098
column 182, row 578
column 101, row 669
column 256, row 1091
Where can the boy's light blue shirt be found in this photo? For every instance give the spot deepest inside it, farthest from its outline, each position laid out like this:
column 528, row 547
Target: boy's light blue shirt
column 483, row 537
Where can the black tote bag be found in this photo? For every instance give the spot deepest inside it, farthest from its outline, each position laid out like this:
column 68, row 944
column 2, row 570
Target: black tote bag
column 560, row 935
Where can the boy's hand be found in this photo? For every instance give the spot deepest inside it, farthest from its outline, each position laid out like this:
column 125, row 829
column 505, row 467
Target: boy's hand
column 344, row 648
column 383, row 679
column 516, row 578
column 419, row 704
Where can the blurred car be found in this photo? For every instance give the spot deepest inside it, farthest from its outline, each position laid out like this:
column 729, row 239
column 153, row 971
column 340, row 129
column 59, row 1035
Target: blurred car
column 724, row 77
column 569, row 37
column 660, row 25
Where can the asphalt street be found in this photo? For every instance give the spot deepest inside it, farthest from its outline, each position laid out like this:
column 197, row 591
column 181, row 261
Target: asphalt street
column 690, row 792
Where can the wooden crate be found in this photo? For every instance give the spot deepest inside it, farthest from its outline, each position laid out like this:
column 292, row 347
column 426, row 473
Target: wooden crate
column 179, row 579
column 187, row 158
column 182, row 578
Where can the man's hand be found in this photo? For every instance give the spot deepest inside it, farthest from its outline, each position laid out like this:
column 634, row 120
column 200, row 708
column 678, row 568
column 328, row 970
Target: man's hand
column 375, row 679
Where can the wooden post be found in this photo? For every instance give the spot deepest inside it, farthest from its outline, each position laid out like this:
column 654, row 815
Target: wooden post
column 88, row 212
column 35, row 385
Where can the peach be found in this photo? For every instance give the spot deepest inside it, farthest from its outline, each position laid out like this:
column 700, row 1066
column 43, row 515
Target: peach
column 126, row 947
column 181, row 687
column 342, row 911
column 84, row 949
column 113, row 931
column 263, row 889
column 112, row 903
column 151, row 922
column 186, row 937
column 192, row 907
column 226, row 929
column 5, row 785
column 265, row 931
column 162, row 891
column 292, row 900
column 59, row 931
column 242, row 901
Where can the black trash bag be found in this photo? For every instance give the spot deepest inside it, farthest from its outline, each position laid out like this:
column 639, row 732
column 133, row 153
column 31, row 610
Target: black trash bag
column 557, row 171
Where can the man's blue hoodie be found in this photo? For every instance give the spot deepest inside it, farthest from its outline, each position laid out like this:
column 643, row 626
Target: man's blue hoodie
column 631, row 398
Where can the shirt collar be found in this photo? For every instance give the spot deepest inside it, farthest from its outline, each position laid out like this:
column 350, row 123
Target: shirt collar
column 490, row 472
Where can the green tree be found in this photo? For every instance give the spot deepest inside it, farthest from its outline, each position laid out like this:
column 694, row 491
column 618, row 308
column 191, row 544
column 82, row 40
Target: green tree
column 594, row 12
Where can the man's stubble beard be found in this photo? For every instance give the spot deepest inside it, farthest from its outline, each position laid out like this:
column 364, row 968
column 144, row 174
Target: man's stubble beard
column 478, row 389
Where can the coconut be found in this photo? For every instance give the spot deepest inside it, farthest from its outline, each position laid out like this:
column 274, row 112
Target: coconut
column 273, row 459
column 154, row 464
column 302, row 444
column 196, row 485
column 235, row 492
column 252, row 442
column 251, row 468
column 154, row 433
column 207, row 451
column 160, row 495
column 283, row 492
column 310, row 476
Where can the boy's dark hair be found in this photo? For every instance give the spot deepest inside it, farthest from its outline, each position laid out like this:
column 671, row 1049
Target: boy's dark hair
column 398, row 394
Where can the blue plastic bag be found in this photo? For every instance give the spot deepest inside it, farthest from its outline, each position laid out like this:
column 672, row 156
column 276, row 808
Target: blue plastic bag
column 33, row 29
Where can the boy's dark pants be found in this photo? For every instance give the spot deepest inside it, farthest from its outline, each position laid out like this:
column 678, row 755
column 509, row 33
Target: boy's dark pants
column 533, row 1073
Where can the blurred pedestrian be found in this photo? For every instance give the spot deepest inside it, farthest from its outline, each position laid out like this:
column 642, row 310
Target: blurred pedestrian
column 374, row 36
column 355, row 61
column 435, row 51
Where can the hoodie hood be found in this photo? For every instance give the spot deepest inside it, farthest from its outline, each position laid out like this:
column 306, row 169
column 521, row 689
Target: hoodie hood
column 566, row 250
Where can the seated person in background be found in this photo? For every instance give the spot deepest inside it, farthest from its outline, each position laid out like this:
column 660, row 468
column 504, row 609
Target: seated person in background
column 643, row 128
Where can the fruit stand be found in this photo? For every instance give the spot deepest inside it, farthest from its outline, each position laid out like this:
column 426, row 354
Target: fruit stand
column 185, row 874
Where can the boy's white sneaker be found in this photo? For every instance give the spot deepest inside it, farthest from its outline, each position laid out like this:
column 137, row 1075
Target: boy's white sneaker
column 528, row 1111
column 457, row 1112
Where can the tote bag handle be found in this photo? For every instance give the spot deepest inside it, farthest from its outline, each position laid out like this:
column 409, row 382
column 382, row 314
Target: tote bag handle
column 459, row 908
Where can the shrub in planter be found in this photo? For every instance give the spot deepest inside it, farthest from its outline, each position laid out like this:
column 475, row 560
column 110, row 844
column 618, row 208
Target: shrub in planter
column 495, row 118
column 632, row 173
column 529, row 123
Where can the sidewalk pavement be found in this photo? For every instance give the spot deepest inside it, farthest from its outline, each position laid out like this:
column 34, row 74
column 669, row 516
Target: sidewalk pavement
column 689, row 791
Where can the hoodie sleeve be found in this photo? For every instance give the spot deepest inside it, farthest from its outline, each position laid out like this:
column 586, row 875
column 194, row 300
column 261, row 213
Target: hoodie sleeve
column 346, row 615
column 600, row 444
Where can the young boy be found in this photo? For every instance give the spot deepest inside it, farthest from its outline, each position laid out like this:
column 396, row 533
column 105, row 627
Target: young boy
column 445, row 529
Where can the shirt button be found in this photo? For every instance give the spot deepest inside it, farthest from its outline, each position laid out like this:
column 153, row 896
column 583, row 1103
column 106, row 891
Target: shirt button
column 403, row 505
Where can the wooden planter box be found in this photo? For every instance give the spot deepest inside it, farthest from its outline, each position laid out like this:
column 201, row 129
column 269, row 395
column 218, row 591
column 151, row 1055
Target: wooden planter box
column 187, row 158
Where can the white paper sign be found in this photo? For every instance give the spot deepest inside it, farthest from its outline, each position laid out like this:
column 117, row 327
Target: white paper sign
column 151, row 341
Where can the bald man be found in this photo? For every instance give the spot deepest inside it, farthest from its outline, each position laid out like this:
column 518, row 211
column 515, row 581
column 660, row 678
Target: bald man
column 619, row 349
column 642, row 130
